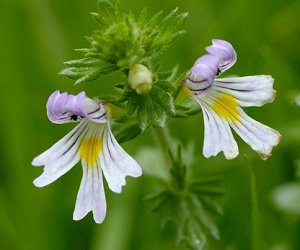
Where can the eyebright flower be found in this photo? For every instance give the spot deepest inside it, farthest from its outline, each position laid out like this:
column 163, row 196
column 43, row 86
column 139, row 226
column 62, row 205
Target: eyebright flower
column 221, row 101
column 92, row 142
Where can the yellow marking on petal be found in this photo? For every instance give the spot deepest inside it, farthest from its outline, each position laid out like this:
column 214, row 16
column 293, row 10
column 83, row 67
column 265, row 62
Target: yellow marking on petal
column 90, row 149
column 226, row 106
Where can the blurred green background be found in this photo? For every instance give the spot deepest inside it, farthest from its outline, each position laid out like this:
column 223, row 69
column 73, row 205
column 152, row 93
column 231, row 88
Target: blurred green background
column 37, row 36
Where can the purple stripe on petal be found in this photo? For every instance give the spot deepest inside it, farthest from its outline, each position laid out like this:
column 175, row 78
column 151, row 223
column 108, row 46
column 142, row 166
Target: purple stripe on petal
column 203, row 73
column 224, row 51
column 62, row 108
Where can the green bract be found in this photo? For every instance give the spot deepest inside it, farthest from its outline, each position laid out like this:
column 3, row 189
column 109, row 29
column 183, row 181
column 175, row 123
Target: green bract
column 129, row 45
column 123, row 40
column 188, row 204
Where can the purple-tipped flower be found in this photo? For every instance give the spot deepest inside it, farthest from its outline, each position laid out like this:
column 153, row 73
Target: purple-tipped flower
column 221, row 101
column 62, row 108
column 92, row 142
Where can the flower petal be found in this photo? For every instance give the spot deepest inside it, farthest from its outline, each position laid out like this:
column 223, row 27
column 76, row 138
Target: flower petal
column 248, row 90
column 202, row 73
column 96, row 111
column 58, row 149
column 217, row 134
column 225, row 109
column 91, row 196
column 116, row 163
column 260, row 137
column 61, row 157
column 63, row 108
column 225, row 52
column 54, row 107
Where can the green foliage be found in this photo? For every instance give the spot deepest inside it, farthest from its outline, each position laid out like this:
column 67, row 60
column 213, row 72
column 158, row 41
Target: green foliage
column 128, row 133
column 38, row 35
column 122, row 40
column 152, row 109
column 188, row 204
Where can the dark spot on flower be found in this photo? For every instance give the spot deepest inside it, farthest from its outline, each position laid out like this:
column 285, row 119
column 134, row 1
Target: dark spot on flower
column 74, row 117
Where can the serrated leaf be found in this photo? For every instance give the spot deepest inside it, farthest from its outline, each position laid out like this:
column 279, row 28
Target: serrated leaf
column 192, row 234
column 143, row 17
column 122, row 40
column 157, row 115
column 131, row 105
column 142, row 114
column 212, row 206
column 163, row 98
column 86, row 69
column 107, row 11
column 158, row 199
column 204, row 218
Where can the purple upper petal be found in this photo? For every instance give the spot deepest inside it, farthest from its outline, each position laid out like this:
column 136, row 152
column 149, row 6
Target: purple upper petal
column 62, row 108
column 224, row 51
column 203, row 73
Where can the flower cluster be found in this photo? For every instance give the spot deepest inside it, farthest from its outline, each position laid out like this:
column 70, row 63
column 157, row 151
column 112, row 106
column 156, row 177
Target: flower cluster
column 92, row 142
column 221, row 100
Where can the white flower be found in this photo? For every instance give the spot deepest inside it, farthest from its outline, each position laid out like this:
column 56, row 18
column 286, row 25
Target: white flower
column 92, row 142
column 221, row 101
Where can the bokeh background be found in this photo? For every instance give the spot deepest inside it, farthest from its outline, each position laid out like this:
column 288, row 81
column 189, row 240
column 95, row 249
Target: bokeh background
column 37, row 36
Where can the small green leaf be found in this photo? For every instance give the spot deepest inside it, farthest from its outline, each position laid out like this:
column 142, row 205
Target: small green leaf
column 163, row 98
column 158, row 199
column 132, row 105
column 128, row 133
column 142, row 114
column 86, row 69
column 212, row 206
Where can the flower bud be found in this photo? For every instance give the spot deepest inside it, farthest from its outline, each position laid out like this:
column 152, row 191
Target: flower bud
column 140, row 78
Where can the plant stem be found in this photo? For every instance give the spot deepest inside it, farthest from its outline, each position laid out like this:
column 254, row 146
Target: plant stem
column 164, row 141
column 256, row 237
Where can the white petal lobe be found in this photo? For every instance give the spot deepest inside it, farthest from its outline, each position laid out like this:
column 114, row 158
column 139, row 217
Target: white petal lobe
column 260, row 137
column 61, row 157
column 116, row 163
column 91, row 196
column 248, row 90
column 217, row 135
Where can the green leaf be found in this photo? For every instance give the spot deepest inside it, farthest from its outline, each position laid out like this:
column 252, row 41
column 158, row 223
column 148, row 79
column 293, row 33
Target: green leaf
column 204, row 218
column 107, row 12
column 122, row 40
column 128, row 133
column 86, row 69
column 212, row 206
column 132, row 105
column 142, row 114
column 154, row 108
column 158, row 199
column 208, row 190
column 112, row 100
column 162, row 96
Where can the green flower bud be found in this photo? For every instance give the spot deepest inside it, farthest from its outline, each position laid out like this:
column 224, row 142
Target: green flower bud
column 140, row 78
